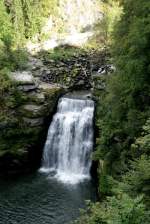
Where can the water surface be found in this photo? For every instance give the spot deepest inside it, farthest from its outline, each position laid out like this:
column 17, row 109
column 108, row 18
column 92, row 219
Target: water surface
column 36, row 199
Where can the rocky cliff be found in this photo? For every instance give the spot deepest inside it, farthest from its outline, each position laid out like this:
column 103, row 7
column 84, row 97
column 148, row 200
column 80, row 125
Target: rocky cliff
column 36, row 91
column 23, row 129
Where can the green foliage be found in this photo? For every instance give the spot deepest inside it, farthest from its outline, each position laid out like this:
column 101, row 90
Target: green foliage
column 122, row 110
column 19, row 58
column 136, row 180
column 6, row 35
column 17, row 19
column 9, row 97
column 5, row 87
column 116, row 210
column 32, row 20
column 63, row 53
column 112, row 12
column 125, row 105
column 103, row 29
column 6, row 28
column 49, row 7
column 20, row 22
column 11, row 36
column 25, row 19
column 142, row 143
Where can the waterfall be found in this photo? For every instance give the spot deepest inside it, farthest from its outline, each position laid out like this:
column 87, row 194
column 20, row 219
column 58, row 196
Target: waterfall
column 69, row 141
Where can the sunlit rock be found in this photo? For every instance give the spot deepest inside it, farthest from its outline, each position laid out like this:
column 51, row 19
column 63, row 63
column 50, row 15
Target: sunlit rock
column 22, row 77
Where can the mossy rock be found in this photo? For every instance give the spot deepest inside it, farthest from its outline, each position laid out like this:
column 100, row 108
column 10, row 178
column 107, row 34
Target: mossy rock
column 22, row 128
column 32, row 110
column 35, row 97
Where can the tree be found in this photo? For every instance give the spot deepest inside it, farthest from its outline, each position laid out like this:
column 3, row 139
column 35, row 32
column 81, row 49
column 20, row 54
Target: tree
column 125, row 104
column 121, row 210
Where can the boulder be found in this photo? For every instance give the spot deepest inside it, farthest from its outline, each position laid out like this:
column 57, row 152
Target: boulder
column 34, row 63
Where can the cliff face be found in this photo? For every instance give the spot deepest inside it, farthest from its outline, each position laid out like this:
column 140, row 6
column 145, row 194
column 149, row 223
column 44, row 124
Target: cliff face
column 23, row 129
column 34, row 95
column 59, row 65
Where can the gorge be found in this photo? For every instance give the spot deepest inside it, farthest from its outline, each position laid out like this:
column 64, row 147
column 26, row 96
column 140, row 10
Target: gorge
column 74, row 111
column 63, row 183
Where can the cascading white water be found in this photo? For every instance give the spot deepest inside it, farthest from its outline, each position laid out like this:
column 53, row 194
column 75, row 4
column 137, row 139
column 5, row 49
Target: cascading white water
column 69, row 142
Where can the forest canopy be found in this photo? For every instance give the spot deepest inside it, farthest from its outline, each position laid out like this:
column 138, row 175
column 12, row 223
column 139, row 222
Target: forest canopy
column 123, row 143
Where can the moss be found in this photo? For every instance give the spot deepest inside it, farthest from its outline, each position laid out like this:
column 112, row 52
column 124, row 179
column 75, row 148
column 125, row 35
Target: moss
column 17, row 140
column 3, row 153
column 37, row 98
column 75, row 71
column 52, row 95
column 65, row 52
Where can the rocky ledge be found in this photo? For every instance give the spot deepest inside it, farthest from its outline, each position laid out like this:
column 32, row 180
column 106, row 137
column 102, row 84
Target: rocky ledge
column 23, row 133
column 72, row 71
column 37, row 90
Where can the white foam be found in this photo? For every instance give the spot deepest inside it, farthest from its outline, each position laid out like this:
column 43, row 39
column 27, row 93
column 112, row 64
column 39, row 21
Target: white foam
column 69, row 144
column 46, row 170
column 71, row 178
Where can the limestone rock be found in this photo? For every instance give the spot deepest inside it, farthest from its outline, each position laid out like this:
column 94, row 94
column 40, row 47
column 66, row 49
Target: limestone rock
column 47, row 86
column 37, row 97
column 27, row 88
column 22, row 78
column 32, row 110
column 34, row 63
column 33, row 122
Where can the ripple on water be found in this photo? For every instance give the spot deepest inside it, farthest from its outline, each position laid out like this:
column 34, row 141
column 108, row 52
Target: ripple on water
column 36, row 199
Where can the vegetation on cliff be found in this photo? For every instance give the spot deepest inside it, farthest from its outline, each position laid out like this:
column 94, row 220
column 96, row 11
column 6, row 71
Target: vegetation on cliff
column 123, row 144
column 19, row 132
